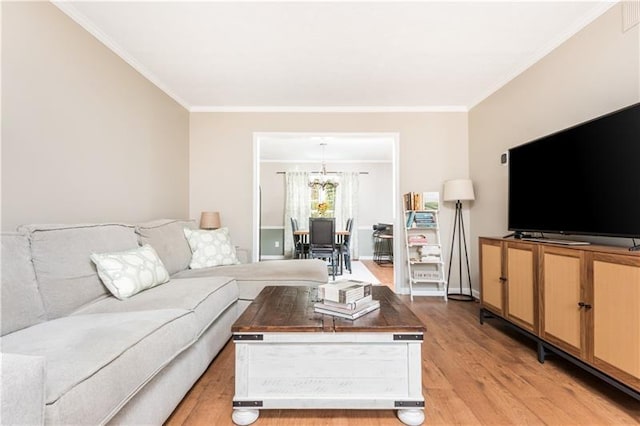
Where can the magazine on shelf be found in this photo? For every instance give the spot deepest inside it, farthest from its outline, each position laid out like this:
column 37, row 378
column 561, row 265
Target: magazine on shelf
column 412, row 201
column 421, row 219
column 408, row 201
column 425, row 219
column 418, row 239
column 425, row 216
column 351, row 315
column 417, row 200
column 410, row 218
column 344, row 291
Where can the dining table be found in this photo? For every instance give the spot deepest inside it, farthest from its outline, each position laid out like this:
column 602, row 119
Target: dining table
column 304, row 233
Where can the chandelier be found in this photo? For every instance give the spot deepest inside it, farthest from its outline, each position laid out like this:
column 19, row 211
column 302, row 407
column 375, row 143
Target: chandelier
column 323, row 181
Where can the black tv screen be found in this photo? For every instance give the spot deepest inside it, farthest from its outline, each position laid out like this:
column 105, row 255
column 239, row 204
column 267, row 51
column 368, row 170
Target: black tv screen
column 583, row 180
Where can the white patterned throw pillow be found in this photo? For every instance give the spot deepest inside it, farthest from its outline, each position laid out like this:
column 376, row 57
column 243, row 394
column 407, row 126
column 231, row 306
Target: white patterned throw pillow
column 129, row 272
column 210, row 248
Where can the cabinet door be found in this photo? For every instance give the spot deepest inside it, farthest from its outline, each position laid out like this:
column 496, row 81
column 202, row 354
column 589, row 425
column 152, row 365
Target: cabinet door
column 521, row 262
column 491, row 277
column 616, row 316
column 563, row 272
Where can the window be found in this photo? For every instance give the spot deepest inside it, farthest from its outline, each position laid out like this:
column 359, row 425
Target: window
column 323, row 199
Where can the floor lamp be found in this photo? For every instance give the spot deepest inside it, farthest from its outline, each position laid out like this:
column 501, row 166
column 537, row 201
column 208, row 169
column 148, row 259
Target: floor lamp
column 459, row 190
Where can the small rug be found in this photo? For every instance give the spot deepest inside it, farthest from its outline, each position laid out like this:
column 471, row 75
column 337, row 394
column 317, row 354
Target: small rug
column 359, row 272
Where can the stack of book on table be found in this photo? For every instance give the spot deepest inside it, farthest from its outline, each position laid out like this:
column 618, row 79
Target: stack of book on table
column 348, row 299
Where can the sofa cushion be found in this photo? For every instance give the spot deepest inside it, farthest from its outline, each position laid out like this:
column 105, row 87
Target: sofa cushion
column 207, row 297
column 95, row 363
column 129, row 272
column 167, row 238
column 210, row 248
column 253, row 277
column 21, row 302
column 67, row 278
column 22, row 389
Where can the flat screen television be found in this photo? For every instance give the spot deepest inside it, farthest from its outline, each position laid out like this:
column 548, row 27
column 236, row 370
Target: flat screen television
column 584, row 180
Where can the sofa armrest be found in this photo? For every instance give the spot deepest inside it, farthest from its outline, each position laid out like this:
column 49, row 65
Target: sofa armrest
column 242, row 255
column 22, row 389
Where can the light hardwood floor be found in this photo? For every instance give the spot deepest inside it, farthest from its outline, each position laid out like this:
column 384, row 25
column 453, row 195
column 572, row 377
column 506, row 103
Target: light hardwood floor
column 472, row 374
column 384, row 273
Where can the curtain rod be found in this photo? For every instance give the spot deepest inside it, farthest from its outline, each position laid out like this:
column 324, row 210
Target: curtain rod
column 319, row 173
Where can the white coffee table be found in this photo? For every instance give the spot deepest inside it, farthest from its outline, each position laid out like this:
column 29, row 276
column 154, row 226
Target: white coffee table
column 288, row 357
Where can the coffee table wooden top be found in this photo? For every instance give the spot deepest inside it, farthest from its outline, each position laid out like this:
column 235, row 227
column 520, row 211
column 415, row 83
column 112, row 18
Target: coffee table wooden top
column 290, row 309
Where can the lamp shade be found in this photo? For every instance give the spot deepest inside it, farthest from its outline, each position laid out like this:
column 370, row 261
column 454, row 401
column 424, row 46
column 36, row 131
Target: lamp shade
column 458, row 190
column 210, row 220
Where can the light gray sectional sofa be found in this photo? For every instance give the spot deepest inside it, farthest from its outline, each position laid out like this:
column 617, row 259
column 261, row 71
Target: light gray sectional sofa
column 74, row 354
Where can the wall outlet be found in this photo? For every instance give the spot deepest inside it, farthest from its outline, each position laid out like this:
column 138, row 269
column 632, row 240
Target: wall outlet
column 504, row 158
column 277, row 244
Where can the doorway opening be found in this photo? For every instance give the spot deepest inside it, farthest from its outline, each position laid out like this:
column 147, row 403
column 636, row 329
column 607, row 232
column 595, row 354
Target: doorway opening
column 373, row 155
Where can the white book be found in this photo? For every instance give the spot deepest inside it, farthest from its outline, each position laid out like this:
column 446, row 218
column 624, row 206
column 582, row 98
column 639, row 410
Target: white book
column 351, row 306
column 344, row 291
column 333, row 308
column 375, row 304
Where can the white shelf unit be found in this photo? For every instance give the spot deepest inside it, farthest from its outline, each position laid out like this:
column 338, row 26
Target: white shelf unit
column 425, row 257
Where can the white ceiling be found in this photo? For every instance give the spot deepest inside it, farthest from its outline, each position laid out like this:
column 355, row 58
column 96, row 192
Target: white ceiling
column 338, row 56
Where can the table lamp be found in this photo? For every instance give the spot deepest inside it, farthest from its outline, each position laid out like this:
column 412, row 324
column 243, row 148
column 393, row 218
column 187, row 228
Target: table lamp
column 210, row 220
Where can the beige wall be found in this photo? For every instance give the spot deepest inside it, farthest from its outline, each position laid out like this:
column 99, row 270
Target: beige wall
column 595, row 72
column 433, row 148
column 85, row 138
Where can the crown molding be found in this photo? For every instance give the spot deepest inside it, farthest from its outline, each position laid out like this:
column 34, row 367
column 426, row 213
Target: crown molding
column 329, row 109
column 68, row 9
column 544, row 51
column 328, row 161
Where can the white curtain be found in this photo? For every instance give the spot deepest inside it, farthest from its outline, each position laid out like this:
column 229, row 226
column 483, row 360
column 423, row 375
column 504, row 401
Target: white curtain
column 347, row 206
column 297, row 204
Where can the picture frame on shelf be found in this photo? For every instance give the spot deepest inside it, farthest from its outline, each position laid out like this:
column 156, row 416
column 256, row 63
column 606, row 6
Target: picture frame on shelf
column 431, row 200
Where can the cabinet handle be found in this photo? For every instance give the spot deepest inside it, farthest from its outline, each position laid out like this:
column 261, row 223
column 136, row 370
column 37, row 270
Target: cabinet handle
column 503, row 279
column 584, row 305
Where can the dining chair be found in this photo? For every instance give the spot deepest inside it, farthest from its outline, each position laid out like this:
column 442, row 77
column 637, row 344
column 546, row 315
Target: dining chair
column 345, row 248
column 300, row 248
column 322, row 243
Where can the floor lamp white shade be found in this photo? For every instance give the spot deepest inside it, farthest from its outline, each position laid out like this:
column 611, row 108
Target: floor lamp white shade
column 458, row 190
